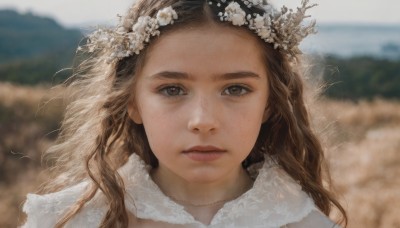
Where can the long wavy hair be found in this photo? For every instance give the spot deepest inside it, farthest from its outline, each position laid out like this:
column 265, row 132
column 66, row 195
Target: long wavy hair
column 97, row 128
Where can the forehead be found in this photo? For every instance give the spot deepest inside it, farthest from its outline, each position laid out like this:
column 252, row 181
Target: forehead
column 208, row 47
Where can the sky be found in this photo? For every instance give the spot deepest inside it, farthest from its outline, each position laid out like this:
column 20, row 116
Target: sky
column 74, row 13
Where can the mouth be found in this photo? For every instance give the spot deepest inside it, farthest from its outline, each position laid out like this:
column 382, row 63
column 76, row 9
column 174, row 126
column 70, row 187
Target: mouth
column 203, row 149
column 204, row 153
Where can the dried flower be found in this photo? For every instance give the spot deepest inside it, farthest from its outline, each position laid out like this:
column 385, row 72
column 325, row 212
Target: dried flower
column 235, row 14
column 166, row 16
column 123, row 43
column 284, row 29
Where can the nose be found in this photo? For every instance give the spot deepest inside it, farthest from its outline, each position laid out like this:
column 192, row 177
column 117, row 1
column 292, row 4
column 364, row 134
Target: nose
column 203, row 116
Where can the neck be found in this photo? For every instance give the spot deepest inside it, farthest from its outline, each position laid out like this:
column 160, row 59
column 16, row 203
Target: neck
column 202, row 194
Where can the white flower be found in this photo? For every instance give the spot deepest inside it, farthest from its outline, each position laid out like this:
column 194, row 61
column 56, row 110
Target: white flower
column 256, row 2
column 259, row 21
column 141, row 24
column 166, row 16
column 264, row 33
column 238, row 19
column 235, row 14
column 283, row 29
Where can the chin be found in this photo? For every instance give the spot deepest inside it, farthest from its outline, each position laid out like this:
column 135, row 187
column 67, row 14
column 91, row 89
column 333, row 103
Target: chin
column 202, row 176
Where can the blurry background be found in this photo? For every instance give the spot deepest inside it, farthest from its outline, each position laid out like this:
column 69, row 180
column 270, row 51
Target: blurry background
column 356, row 53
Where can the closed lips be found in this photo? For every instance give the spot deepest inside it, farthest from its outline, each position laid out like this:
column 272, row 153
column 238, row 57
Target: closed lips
column 204, row 149
column 204, row 153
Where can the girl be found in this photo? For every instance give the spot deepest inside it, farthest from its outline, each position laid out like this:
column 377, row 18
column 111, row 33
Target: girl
column 190, row 113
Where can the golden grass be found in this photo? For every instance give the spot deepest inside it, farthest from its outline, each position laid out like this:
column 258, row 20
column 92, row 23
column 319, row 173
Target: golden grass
column 28, row 115
column 362, row 141
column 364, row 157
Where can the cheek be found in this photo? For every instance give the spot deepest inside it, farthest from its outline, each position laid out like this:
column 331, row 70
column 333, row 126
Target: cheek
column 244, row 126
column 160, row 127
column 248, row 129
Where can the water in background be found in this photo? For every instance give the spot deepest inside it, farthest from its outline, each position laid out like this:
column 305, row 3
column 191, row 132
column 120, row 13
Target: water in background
column 355, row 40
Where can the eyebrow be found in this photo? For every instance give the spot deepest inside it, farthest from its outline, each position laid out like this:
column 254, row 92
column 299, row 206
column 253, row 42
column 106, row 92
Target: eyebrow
column 164, row 75
column 237, row 75
column 169, row 75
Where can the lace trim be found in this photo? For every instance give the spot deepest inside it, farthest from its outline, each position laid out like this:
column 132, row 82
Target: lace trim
column 45, row 210
column 144, row 197
column 275, row 199
column 50, row 203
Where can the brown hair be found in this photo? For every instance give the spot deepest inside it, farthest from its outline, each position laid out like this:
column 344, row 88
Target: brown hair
column 101, row 94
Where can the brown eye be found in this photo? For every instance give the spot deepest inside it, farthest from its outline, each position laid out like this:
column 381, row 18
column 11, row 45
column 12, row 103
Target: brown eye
column 172, row 91
column 236, row 90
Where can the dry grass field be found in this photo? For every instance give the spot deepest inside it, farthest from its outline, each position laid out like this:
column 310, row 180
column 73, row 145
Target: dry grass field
column 364, row 157
column 362, row 141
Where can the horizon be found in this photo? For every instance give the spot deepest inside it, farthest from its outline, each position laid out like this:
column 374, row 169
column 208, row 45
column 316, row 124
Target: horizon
column 341, row 39
column 367, row 12
column 85, row 24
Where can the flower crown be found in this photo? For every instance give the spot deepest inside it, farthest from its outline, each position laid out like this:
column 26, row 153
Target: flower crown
column 283, row 28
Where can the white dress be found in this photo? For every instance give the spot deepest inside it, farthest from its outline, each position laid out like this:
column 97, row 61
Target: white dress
column 274, row 201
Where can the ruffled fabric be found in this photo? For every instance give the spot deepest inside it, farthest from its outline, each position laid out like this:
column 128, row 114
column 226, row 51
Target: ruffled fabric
column 44, row 210
column 274, row 201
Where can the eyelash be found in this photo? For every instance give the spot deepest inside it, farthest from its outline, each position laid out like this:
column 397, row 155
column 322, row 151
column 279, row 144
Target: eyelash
column 163, row 90
column 244, row 90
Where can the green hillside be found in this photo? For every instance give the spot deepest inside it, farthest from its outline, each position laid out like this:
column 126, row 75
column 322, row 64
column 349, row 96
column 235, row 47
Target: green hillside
column 362, row 78
column 33, row 48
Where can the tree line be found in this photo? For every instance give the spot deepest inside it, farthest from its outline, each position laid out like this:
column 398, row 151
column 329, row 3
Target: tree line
column 362, row 77
column 33, row 49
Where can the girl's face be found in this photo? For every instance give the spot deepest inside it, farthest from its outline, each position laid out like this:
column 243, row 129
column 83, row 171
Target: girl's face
column 202, row 97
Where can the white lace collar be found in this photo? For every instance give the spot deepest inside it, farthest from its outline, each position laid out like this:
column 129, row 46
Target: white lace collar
column 275, row 199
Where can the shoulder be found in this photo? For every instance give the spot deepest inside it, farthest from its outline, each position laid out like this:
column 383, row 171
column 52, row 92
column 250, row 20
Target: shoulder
column 45, row 210
column 315, row 219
